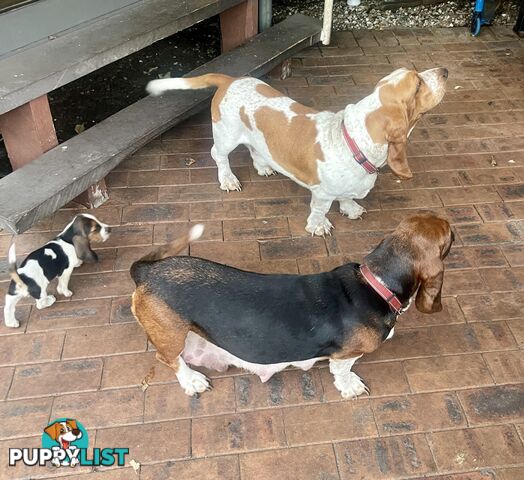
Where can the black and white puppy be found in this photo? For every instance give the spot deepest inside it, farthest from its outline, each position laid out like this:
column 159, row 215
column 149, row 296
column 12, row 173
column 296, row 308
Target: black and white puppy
column 57, row 258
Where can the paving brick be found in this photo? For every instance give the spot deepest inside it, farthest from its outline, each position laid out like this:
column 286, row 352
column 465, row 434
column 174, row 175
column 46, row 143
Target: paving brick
column 417, row 413
column 497, row 306
column 230, row 253
column 462, row 281
column 237, row 433
column 292, row 248
column 290, row 387
column 447, row 373
column 503, row 279
column 121, row 310
column 297, row 463
column 517, row 329
column 126, row 256
column 329, row 422
column 129, row 235
column 54, row 378
column 154, row 213
column 450, row 313
column 489, row 405
column 222, row 210
column 20, row 418
column 128, row 196
column 319, row 264
column 108, row 340
column 255, row 229
column 157, row 178
column 410, row 199
column 467, row 449
column 154, row 442
column 195, row 192
column 166, row 402
column 224, row 468
column 278, row 207
column 6, row 374
column 506, row 367
column 167, row 232
column 487, row 234
column 514, row 254
column 101, row 285
column 31, row 348
column 385, row 458
column 70, row 314
column 471, row 257
column 105, row 408
column 468, row 195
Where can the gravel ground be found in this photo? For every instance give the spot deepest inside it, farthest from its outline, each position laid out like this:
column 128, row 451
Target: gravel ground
column 455, row 13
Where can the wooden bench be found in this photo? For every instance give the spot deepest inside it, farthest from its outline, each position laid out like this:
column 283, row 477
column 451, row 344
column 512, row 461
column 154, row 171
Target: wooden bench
column 28, row 73
column 56, row 177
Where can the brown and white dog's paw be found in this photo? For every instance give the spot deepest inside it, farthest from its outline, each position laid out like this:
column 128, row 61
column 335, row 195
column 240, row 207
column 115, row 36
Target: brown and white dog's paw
column 229, row 182
column 350, row 386
column 265, row 171
column 319, row 228
column 195, row 383
column 352, row 210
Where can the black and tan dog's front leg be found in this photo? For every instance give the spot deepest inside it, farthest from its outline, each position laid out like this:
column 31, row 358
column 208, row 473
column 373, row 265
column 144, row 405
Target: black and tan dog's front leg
column 348, row 383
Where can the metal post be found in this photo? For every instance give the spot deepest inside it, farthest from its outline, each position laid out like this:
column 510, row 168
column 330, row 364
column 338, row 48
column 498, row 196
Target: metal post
column 265, row 14
column 325, row 36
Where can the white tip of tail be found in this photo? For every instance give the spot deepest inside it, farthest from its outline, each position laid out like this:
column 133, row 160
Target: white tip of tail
column 158, row 87
column 12, row 254
column 196, row 232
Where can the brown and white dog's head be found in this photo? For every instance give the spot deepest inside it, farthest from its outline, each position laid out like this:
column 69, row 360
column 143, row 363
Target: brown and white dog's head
column 64, row 432
column 405, row 95
column 87, row 228
column 414, row 255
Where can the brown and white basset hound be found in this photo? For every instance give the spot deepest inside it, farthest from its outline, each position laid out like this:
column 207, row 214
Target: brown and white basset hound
column 200, row 312
column 335, row 155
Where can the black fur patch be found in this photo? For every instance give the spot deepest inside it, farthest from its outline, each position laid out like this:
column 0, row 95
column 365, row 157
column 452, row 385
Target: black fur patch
column 52, row 267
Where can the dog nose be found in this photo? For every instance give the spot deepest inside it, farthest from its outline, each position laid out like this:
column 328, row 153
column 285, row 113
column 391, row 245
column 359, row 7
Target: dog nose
column 444, row 72
column 108, row 230
column 76, row 432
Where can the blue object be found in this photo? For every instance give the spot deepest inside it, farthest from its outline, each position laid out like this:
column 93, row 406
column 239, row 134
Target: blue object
column 483, row 14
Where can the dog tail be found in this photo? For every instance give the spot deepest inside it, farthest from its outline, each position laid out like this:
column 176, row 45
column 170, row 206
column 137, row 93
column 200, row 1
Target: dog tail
column 168, row 250
column 13, row 272
column 158, row 87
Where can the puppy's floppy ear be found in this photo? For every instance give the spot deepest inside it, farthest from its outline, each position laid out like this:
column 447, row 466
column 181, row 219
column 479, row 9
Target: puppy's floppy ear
column 397, row 137
column 430, row 290
column 72, row 423
column 83, row 250
column 53, row 430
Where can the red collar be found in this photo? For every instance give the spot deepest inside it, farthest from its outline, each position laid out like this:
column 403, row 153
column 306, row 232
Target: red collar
column 359, row 157
column 392, row 300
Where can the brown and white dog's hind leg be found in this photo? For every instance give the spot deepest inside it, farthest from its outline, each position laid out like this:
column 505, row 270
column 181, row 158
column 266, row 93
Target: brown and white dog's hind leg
column 262, row 168
column 228, row 180
column 317, row 222
column 350, row 208
column 347, row 382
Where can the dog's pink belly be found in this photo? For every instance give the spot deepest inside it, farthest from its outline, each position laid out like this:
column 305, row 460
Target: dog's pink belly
column 201, row 353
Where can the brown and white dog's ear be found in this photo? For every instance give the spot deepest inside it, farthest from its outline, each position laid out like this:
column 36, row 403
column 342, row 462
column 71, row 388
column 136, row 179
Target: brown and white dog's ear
column 83, row 249
column 397, row 138
column 72, row 424
column 53, row 430
column 430, row 290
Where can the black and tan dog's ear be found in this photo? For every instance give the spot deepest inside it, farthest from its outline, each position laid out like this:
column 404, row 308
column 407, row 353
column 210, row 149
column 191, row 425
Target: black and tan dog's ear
column 53, row 430
column 397, row 137
column 430, row 290
column 83, row 250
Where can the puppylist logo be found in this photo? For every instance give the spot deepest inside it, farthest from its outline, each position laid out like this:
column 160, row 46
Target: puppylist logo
column 65, row 444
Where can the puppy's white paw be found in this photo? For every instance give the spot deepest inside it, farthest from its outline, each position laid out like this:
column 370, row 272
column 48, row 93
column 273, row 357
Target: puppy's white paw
column 352, row 210
column 265, row 171
column 229, row 182
column 64, row 291
column 321, row 227
column 196, row 383
column 74, row 462
column 350, row 386
column 45, row 302
column 12, row 323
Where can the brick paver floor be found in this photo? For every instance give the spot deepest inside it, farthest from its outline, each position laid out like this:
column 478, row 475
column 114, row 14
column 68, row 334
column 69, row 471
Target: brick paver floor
column 446, row 397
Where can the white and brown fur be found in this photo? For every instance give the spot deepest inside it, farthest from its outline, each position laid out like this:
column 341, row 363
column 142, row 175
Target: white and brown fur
column 57, row 258
column 307, row 145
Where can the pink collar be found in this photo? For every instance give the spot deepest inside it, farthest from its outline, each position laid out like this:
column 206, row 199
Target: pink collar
column 392, row 300
column 359, row 157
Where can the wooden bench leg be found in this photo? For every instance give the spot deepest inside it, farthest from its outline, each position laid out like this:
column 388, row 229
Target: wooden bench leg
column 239, row 24
column 28, row 132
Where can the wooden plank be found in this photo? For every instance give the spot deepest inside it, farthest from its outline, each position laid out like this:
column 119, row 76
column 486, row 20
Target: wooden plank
column 238, row 24
column 51, row 63
column 70, row 168
column 28, row 131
